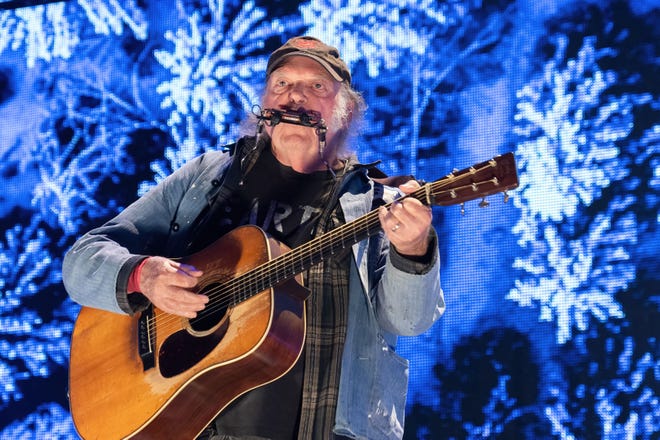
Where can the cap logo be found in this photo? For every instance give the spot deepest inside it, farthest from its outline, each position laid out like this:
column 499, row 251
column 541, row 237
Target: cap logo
column 304, row 43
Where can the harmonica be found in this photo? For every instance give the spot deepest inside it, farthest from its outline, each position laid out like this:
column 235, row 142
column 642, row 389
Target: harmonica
column 307, row 118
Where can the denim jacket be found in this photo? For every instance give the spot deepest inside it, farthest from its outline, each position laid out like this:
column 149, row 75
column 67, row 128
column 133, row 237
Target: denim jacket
column 384, row 301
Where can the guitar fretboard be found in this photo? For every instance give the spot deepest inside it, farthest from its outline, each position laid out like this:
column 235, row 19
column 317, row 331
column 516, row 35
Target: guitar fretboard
column 489, row 177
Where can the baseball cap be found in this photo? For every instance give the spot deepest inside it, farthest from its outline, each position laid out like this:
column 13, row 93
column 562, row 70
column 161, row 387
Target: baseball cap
column 315, row 49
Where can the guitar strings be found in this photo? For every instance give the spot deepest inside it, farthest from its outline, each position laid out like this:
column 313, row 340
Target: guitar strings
column 245, row 285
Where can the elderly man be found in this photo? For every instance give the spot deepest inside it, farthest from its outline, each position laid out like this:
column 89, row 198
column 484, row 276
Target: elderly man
column 296, row 179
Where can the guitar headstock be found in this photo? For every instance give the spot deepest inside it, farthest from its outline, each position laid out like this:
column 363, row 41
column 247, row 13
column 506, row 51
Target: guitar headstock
column 478, row 181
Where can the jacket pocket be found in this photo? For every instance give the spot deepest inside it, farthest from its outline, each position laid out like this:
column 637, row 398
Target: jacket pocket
column 388, row 395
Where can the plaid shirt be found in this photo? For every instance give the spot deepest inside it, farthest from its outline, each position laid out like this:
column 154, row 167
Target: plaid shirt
column 327, row 310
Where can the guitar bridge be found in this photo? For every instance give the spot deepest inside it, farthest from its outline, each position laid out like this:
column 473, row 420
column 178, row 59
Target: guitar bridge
column 146, row 339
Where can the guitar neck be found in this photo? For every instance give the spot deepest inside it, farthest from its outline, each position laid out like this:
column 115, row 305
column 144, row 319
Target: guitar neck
column 478, row 181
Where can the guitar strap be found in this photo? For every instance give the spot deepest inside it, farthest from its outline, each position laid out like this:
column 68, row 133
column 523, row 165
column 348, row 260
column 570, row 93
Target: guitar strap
column 380, row 177
column 244, row 155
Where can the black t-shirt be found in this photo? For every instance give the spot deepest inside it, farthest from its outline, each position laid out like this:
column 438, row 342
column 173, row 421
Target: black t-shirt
column 281, row 201
column 287, row 205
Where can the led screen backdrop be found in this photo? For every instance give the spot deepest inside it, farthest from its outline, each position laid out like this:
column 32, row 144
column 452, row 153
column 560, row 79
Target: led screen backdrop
column 552, row 322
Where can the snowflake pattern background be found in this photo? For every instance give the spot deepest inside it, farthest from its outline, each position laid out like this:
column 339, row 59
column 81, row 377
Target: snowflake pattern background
column 551, row 325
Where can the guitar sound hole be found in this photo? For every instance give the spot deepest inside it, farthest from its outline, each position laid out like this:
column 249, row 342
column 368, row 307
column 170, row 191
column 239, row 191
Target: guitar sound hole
column 185, row 348
column 215, row 310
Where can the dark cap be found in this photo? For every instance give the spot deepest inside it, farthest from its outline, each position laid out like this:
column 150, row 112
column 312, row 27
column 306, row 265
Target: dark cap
column 315, row 49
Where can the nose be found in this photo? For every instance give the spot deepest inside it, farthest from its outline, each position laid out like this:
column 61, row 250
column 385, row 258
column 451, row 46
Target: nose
column 297, row 94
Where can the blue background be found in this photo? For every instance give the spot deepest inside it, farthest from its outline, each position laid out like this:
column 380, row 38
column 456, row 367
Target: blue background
column 551, row 329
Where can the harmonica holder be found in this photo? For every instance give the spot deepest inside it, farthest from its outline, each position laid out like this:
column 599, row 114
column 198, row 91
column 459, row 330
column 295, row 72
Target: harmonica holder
column 307, row 118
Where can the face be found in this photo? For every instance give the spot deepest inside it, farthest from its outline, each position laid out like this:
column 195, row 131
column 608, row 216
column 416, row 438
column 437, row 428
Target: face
column 302, row 84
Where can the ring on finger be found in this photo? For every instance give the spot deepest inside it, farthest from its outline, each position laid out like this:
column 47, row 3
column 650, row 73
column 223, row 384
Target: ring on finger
column 395, row 227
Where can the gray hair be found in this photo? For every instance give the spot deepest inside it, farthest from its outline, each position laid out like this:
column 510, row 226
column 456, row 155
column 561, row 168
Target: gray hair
column 348, row 114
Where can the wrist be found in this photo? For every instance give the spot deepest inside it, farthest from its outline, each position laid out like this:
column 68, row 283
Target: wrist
column 134, row 278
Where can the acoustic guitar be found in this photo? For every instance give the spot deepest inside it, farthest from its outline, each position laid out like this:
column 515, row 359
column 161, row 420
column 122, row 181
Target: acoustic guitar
column 156, row 375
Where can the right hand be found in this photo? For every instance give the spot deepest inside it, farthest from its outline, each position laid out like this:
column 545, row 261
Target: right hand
column 167, row 284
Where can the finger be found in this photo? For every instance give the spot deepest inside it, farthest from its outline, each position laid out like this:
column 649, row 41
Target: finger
column 175, row 308
column 195, row 300
column 390, row 224
column 190, row 270
column 174, row 266
column 411, row 210
column 409, row 186
column 387, row 218
column 182, row 303
column 182, row 275
column 403, row 211
column 397, row 208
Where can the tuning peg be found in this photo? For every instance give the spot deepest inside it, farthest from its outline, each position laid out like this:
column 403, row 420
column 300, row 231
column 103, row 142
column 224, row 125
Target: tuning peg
column 484, row 203
column 506, row 196
column 462, row 208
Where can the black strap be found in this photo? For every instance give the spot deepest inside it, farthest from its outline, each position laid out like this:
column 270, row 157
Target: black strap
column 378, row 176
column 244, row 154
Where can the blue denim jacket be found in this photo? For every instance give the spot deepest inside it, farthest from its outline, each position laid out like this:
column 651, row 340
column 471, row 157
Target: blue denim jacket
column 384, row 301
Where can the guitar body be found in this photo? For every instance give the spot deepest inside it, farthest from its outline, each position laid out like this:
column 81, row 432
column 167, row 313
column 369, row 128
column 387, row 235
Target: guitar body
column 195, row 372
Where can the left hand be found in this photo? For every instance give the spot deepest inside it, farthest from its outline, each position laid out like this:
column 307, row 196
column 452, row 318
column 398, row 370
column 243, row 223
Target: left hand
column 407, row 222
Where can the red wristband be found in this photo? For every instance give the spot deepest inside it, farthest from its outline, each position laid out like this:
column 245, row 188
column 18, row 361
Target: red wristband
column 134, row 278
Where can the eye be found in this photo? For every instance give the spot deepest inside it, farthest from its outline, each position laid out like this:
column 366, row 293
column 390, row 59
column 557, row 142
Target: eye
column 320, row 88
column 279, row 85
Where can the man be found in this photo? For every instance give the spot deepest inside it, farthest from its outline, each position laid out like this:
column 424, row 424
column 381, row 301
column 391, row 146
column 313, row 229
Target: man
column 296, row 179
